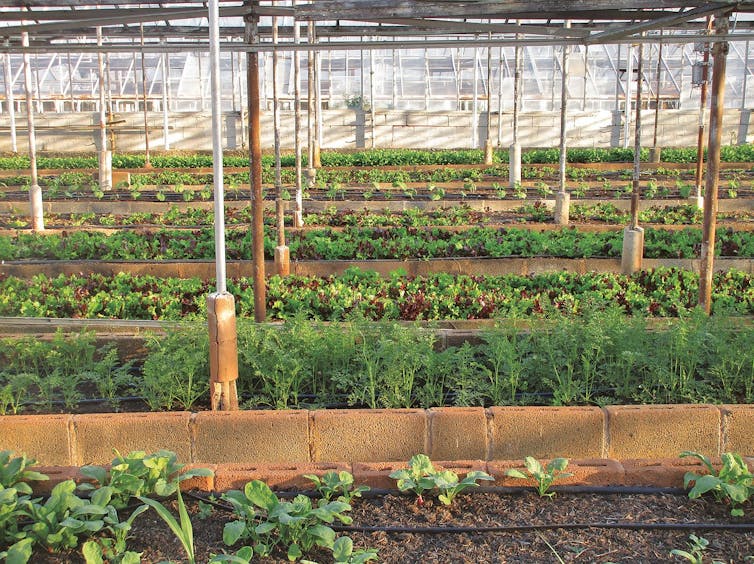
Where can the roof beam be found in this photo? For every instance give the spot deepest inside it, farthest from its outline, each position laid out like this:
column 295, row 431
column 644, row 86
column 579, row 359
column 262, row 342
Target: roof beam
column 539, row 9
column 479, row 27
column 668, row 21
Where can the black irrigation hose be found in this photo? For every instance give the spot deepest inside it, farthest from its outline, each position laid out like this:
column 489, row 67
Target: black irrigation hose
column 636, row 526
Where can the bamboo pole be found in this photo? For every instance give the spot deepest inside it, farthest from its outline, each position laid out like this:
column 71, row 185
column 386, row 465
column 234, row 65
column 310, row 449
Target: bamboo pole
column 719, row 53
column 702, row 110
column 282, row 253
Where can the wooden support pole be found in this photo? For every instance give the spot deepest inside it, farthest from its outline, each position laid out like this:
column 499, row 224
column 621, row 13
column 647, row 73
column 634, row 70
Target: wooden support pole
column 282, row 253
column 719, row 53
column 255, row 176
column 223, row 351
column 298, row 212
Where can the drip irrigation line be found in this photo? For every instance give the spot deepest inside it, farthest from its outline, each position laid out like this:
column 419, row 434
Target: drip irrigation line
column 636, row 526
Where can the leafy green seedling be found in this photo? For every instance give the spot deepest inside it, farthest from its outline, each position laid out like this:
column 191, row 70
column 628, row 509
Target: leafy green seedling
column 450, row 486
column 733, row 484
column 339, row 484
column 417, row 477
column 343, row 552
column 544, row 476
column 14, row 472
column 695, row 553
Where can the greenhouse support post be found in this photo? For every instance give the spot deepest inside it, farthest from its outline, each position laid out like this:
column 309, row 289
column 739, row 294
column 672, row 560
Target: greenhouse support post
column 221, row 308
column 698, row 198
column 719, row 53
column 563, row 198
column 147, row 161
column 298, row 211
column 656, row 151
column 514, row 155
column 35, row 192
column 311, row 173
column 633, row 235
column 255, row 176
column 488, row 140
column 104, row 156
column 282, row 253
column 10, row 103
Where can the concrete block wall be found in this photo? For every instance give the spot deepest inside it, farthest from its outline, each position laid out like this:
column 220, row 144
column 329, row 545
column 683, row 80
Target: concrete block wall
column 351, row 129
column 379, row 436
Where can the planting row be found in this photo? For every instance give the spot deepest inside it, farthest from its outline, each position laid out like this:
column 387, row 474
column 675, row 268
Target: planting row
column 381, row 184
column 385, row 157
column 396, row 243
column 364, row 294
column 462, row 214
column 600, row 357
column 100, row 517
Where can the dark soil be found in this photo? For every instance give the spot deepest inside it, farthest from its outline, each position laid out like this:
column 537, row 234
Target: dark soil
column 594, row 544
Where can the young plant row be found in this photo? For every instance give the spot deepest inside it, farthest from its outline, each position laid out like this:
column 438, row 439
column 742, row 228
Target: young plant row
column 356, row 294
column 412, row 217
column 385, row 157
column 88, row 516
column 365, row 243
column 600, row 357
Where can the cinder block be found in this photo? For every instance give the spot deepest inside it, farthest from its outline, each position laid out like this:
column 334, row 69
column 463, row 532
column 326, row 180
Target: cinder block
column 586, row 472
column 376, row 475
column 251, row 437
column 277, row 476
column 661, row 472
column 44, row 438
column 546, row 432
column 202, row 483
column 657, row 431
column 57, row 474
column 458, row 433
column 368, row 435
column 96, row 435
column 739, row 429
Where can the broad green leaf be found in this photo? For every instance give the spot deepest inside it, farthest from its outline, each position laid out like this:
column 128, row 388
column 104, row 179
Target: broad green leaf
column 96, row 473
column 92, row 553
column 20, row 552
column 515, row 473
column 261, row 495
column 294, row 552
column 131, row 557
column 533, row 465
column 342, row 549
column 232, row 532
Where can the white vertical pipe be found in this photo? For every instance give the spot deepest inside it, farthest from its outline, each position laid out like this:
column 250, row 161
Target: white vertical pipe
column 372, row 102
column 165, row 88
column 105, row 173
column 627, row 112
column 475, row 102
column 11, row 103
column 298, row 213
column 35, row 192
column 217, row 149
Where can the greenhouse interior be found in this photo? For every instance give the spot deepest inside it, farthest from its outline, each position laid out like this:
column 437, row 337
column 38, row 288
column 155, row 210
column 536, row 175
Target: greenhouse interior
column 408, row 281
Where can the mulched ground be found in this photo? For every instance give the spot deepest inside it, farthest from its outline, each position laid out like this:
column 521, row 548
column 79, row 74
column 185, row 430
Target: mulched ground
column 157, row 543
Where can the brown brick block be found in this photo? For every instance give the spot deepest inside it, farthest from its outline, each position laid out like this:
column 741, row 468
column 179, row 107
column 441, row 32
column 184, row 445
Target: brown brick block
column 277, row 476
column 659, row 431
column 96, row 435
column 739, row 427
column 251, row 437
column 57, row 474
column 586, row 472
column 203, row 483
column 458, row 433
column 45, row 438
column 663, row 472
column 367, row 435
column 546, row 432
column 376, row 475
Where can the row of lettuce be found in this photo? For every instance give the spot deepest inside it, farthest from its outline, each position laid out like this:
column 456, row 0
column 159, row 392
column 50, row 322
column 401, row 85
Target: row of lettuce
column 382, row 157
column 358, row 243
column 599, row 357
column 356, row 294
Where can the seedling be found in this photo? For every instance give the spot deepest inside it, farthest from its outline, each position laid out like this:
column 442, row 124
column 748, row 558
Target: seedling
column 544, row 476
column 421, row 476
column 184, row 531
column 695, row 553
column 338, row 484
column 733, row 485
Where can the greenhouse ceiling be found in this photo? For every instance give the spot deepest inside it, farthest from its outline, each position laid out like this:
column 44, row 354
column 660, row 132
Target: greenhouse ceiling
column 67, row 25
